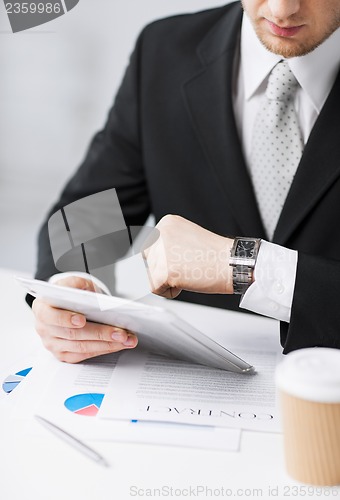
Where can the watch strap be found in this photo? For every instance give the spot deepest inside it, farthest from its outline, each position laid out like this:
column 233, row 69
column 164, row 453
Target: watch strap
column 242, row 278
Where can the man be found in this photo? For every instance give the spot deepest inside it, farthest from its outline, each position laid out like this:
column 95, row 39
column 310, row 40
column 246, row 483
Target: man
column 188, row 135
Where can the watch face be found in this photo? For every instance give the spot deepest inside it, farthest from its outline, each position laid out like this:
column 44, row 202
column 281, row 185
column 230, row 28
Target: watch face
column 245, row 249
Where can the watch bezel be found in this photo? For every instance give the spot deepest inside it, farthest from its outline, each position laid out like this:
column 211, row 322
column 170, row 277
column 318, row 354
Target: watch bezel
column 243, row 266
column 244, row 261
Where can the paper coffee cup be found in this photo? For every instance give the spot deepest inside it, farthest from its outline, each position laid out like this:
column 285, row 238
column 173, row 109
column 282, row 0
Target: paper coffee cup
column 309, row 385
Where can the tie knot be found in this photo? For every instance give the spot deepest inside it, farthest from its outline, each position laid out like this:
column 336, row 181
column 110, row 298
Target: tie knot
column 282, row 83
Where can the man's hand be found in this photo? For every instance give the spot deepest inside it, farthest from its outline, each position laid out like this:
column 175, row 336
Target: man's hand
column 187, row 257
column 70, row 337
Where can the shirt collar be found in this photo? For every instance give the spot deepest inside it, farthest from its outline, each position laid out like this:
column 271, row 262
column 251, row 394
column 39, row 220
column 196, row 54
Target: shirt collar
column 316, row 71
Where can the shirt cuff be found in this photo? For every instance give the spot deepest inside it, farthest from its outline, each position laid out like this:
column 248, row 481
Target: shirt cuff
column 271, row 293
column 99, row 286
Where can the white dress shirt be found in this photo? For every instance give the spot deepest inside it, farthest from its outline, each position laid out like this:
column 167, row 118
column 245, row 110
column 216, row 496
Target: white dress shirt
column 271, row 294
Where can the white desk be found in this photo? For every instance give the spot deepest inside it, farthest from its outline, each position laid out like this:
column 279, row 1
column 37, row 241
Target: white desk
column 47, row 468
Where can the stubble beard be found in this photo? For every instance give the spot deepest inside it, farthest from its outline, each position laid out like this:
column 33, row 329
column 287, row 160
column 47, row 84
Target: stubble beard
column 289, row 48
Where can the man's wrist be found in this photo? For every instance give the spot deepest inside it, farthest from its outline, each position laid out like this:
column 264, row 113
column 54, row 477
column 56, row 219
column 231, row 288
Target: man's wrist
column 216, row 270
column 228, row 283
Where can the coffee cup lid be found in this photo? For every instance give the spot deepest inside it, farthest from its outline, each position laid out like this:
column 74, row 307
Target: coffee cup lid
column 312, row 374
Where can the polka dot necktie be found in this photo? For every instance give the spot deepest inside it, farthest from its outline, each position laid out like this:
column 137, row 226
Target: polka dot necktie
column 277, row 145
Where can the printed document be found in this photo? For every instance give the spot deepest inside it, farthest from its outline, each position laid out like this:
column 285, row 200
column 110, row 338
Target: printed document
column 146, row 386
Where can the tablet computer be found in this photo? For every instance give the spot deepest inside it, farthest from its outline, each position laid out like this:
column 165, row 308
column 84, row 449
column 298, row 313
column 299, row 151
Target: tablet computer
column 158, row 329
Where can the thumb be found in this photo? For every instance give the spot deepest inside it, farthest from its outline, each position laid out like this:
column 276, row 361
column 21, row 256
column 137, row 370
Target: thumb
column 77, row 282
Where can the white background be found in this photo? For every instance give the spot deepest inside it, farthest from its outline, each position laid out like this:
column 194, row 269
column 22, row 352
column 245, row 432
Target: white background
column 57, row 83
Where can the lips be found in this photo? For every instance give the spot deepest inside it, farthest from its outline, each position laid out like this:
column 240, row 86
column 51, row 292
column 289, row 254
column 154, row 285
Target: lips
column 284, row 32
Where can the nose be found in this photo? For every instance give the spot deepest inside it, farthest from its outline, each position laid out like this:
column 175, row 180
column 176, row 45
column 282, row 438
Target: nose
column 282, row 9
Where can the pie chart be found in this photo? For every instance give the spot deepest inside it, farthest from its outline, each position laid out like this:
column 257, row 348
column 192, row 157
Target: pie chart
column 12, row 381
column 87, row 404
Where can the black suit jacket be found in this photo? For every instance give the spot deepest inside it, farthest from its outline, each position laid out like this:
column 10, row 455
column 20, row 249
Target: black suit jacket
column 170, row 145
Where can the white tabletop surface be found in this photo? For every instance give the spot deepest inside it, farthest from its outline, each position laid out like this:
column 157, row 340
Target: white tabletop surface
column 34, row 467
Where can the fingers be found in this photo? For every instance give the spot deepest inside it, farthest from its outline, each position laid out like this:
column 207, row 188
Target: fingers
column 84, row 349
column 72, row 339
column 91, row 332
column 57, row 317
column 164, row 290
column 157, row 267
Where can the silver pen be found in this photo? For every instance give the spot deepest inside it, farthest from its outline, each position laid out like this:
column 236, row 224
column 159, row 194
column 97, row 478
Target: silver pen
column 73, row 441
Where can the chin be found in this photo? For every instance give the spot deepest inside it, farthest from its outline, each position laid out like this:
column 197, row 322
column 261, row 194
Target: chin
column 287, row 48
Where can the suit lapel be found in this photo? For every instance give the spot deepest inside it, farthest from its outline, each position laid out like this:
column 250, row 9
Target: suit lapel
column 318, row 169
column 208, row 96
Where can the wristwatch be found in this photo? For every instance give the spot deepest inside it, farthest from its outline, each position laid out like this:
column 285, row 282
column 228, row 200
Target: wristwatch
column 243, row 257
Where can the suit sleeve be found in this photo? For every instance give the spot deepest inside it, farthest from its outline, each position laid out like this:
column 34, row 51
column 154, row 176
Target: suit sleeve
column 315, row 315
column 113, row 160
